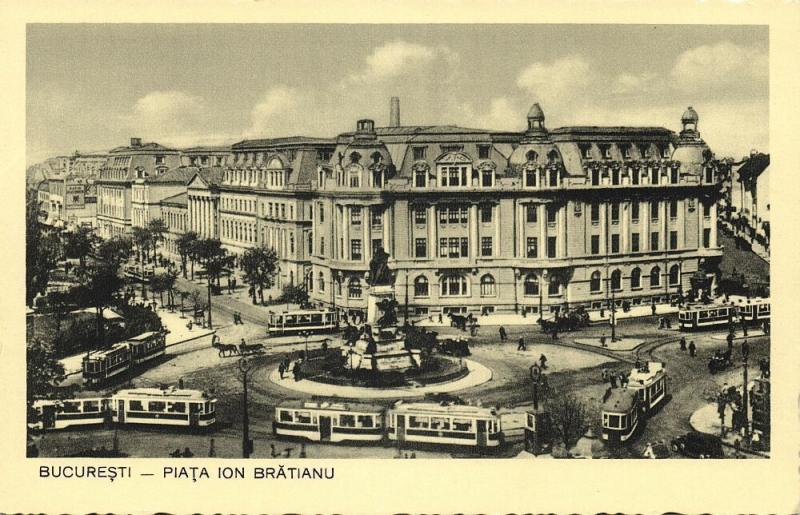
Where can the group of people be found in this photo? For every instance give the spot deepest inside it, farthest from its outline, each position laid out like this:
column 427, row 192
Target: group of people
column 691, row 347
column 287, row 366
column 237, row 318
column 611, row 377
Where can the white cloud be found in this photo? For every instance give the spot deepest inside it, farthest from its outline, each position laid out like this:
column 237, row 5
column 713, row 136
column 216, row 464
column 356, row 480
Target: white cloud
column 627, row 83
column 398, row 57
column 557, row 81
column 503, row 114
column 167, row 107
column 722, row 69
column 274, row 109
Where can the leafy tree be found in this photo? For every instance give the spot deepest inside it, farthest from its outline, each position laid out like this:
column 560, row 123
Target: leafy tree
column 79, row 244
column 569, row 418
column 44, row 371
column 216, row 262
column 157, row 229
column 142, row 239
column 259, row 265
column 99, row 283
column 161, row 283
column 41, row 251
column 293, row 294
column 115, row 251
column 186, row 243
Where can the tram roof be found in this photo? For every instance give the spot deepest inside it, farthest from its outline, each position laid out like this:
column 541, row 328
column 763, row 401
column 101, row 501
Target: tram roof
column 95, row 354
column 643, row 376
column 621, row 400
column 434, row 408
column 305, row 312
column 332, row 406
column 168, row 393
column 143, row 336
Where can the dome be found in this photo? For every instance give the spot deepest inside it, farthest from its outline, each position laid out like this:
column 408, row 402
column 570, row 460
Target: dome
column 690, row 116
column 536, row 112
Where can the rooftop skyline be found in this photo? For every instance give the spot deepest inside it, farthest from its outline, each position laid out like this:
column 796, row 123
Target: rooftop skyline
column 92, row 87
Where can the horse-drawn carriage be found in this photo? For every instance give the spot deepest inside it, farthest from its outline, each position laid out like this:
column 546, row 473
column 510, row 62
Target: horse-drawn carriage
column 570, row 321
column 453, row 346
column 720, row 361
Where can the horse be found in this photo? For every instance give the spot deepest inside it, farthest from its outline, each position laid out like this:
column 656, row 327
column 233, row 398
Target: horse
column 227, row 347
column 458, row 321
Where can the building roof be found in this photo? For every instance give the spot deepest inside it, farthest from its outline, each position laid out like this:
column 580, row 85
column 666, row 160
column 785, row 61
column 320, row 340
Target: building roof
column 585, row 130
column 144, row 147
column 536, row 112
column 276, row 142
column 212, row 175
column 179, row 174
column 168, row 393
column 753, row 167
column 690, row 116
column 449, row 409
column 181, row 199
column 646, row 374
column 201, row 149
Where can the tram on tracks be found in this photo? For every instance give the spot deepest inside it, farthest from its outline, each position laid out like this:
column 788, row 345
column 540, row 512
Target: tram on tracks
column 329, row 421
column 625, row 409
column 101, row 365
column 294, row 322
column 151, row 406
column 650, row 382
column 737, row 309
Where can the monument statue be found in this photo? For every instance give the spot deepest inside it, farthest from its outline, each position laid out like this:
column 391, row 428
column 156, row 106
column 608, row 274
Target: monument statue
column 388, row 309
column 379, row 272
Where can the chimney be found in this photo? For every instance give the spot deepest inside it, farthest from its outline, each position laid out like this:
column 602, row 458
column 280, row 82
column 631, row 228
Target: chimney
column 136, row 142
column 394, row 114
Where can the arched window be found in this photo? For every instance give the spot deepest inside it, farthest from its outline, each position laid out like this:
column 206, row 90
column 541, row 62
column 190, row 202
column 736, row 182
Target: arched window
column 453, row 286
column 421, row 286
column 531, row 156
column 554, row 287
column 655, row 277
column 674, row 275
column 594, row 283
column 616, row 280
column 531, row 284
column 321, row 281
column 376, row 157
column 636, row 278
column 354, row 288
column 488, row 286
column 338, row 285
column 355, row 157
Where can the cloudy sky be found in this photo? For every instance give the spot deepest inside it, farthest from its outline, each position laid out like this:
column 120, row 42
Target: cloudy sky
column 92, row 87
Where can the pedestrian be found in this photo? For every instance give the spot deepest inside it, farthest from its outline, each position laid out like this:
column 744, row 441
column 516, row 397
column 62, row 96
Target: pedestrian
column 692, row 349
column 543, row 361
column 744, row 327
column 281, row 369
column 613, row 378
column 683, row 343
column 604, row 375
column 653, row 308
column 242, row 347
column 187, row 453
column 503, row 335
column 521, row 344
column 440, row 318
column 235, row 318
column 668, row 322
column 273, row 453
column 555, row 331
column 745, row 350
column 766, row 327
column 603, row 341
column 189, row 325
column 730, row 340
column 623, row 380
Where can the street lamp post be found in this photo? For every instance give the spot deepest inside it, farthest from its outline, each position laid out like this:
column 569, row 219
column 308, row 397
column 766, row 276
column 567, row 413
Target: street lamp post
column 305, row 335
column 245, row 366
column 613, row 316
column 541, row 288
column 745, row 395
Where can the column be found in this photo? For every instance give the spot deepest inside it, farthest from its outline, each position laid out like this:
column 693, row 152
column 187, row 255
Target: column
column 366, row 225
column 663, row 209
column 473, row 231
column 644, row 220
column 562, row 230
column 519, row 209
column 603, row 228
column 713, row 242
column 346, row 232
column 385, row 223
column 496, row 220
column 625, row 227
column 681, row 220
column 542, row 208
column 433, row 248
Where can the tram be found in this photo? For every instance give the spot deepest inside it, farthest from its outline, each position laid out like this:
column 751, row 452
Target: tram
column 101, row 365
column 650, row 383
column 329, row 422
column 444, row 423
column 621, row 415
column 170, row 407
column 293, row 322
column 752, row 311
column 696, row 316
column 61, row 414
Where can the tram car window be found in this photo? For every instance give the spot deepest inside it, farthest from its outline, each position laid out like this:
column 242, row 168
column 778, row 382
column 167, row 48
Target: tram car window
column 445, row 424
column 650, row 383
column 292, row 322
column 60, row 414
column 164, row 407
column 329, row 422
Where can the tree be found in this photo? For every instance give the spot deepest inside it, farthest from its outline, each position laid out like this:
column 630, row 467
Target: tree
column 79, row 244
column 569, row 417
column 259, row 265
column 115, row 251
column 186, row 242
column 44, row 371
column 161, row 283
column 215, row 261
column 143, row 240
column 157, row 228
column 99, row 283
column 41, row 251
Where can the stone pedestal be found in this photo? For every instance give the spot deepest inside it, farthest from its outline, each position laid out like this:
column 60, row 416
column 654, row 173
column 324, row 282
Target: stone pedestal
column 380, row 348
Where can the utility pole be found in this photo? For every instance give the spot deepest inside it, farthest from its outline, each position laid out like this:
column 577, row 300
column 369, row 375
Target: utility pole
column 247, row 444
column 613, row 317
column 745, row 395
column 406, row 308
column 209, row 300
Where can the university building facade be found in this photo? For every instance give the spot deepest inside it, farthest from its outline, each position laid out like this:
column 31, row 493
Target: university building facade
column 490, row 222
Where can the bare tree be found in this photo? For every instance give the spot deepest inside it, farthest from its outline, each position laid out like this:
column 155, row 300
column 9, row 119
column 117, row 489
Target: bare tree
column 569, row 418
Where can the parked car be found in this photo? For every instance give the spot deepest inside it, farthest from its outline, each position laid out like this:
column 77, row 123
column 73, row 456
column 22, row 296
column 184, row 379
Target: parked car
column 698, row 445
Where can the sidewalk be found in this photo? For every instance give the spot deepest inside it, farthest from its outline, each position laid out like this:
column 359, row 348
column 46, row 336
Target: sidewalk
column 622, row 344
column 706, row 420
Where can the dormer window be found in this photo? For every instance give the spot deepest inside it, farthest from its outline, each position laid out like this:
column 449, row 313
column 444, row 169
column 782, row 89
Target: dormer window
column 452, row 148
column 160, row 160
column 483, row 151
column 552, row 157
column 419, row 153
column 586, row 151
column 665, row 152
column 605, row 150
column 376, row 157
column 355, row 157
column 644, row 151
column 531, row 156
column 626, row 151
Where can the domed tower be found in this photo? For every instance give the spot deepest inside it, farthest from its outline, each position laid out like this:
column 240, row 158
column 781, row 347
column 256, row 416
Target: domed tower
column 690, row 150
column 535, row 122
column 536, row 157
column 367, row 157
column 689, row 122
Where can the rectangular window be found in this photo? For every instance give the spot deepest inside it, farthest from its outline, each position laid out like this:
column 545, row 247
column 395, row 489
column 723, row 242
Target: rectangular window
column 486, row 214
column 706, row 238
column 673, row 209
column 530, row 213
column 595, row 244
column 551, row 246
column 615, row 212
column 615, row 243
column 487, row 178
column 654, row 210
column 551, row 214
column 442, row 247
column 321, row 246
column 377, row 216
column 483, row 151
column 595, row 212
column 419, row 153
column 321, row 212
column 355, row 216
column 420, row 215
column 355, row 249
column 464, row 247
column 443, row 212
column 486, row 246
column 635, row 242
column 532, row 248
column 634, row 212
column 454, row 250
column 377, row 243
column 421, row 247
column 654, row 237
column 420, row 178
column 673, row 240
column 706, row 210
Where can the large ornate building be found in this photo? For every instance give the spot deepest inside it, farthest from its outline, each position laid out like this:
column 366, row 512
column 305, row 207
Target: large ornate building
column 483, row 221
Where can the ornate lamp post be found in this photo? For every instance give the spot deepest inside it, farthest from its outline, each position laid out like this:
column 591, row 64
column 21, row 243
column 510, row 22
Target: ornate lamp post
column 305, row 335
column 245, row 365
column 541, row 288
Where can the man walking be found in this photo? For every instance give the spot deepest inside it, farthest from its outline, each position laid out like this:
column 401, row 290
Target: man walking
column 745, row 350
column 730, row 340
column 503, row 335
column 543, row 361
column 692, row 349
column 683, row 343
column 521, row 344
